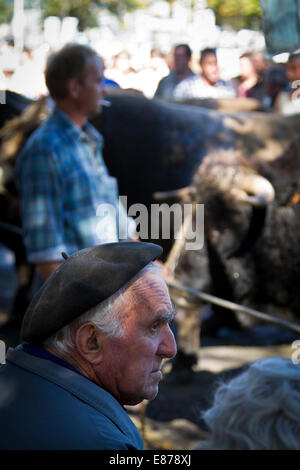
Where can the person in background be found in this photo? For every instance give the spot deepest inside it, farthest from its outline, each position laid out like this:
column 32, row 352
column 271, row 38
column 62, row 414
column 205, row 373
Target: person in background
column 258, row 410
column 122, row 71
column 60, row 173
column 275, row 82
column 249, row 84
column 208, row 84
column 9, row 61
column 260, row 62
column 152, row 72
column 28, row 78
column 108, row 83
column 288, row 101
column 181, row 71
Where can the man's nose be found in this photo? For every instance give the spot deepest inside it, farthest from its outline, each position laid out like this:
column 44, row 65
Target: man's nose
column 167, row 347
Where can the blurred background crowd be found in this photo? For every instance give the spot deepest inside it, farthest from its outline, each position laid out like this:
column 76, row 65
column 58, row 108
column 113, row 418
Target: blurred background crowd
column 256, row 76
column 138, row 48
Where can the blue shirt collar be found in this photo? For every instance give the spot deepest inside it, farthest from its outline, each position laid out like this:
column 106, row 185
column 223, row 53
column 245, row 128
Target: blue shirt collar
column 42, row 353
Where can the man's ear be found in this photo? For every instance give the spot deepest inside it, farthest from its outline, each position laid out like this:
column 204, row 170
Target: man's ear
column 73, row 87
column 88, row 342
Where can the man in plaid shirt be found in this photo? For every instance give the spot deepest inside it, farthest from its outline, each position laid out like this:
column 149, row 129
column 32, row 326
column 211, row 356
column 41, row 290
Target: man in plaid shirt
column 60, row 173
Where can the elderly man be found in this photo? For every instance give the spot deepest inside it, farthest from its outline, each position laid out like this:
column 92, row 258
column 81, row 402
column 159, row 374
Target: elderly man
column 60, row 174
column 96, row 334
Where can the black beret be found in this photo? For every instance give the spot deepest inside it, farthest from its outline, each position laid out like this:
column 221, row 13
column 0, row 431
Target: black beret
column 81, row 282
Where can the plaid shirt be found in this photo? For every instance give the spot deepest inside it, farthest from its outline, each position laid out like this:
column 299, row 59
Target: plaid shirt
column 62, row 179
column 195, row 87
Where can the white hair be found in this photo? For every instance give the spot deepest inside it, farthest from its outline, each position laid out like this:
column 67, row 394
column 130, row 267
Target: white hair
column 258, row 410
column 108, row 316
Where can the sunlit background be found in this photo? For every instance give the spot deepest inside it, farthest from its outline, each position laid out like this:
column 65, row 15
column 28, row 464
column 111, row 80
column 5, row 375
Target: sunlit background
column 125, row 33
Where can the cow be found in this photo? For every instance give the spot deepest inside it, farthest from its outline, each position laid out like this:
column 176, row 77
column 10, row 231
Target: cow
column 253, row 264
column 151, row 145
column 12, row 105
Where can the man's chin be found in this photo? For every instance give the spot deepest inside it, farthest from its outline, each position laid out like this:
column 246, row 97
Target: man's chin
column 151, row 394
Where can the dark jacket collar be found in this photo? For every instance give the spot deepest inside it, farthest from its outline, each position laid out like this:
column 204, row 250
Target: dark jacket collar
column 80, row 386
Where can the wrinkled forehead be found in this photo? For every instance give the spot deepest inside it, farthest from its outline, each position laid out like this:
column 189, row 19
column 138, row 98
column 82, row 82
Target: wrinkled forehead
column 148, row 300
column 151, row 287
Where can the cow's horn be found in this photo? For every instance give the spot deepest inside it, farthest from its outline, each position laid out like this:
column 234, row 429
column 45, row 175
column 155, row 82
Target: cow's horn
column 254, row 189
column 178, row 193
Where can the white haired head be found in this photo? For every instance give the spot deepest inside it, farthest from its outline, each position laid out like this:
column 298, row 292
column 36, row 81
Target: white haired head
column 259, row 409
column 107, row 316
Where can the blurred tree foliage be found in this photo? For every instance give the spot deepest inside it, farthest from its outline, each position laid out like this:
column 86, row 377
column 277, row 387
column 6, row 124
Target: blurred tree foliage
column 6, row 10
column 171, row 4
column 86, row 10
column 237, row 13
